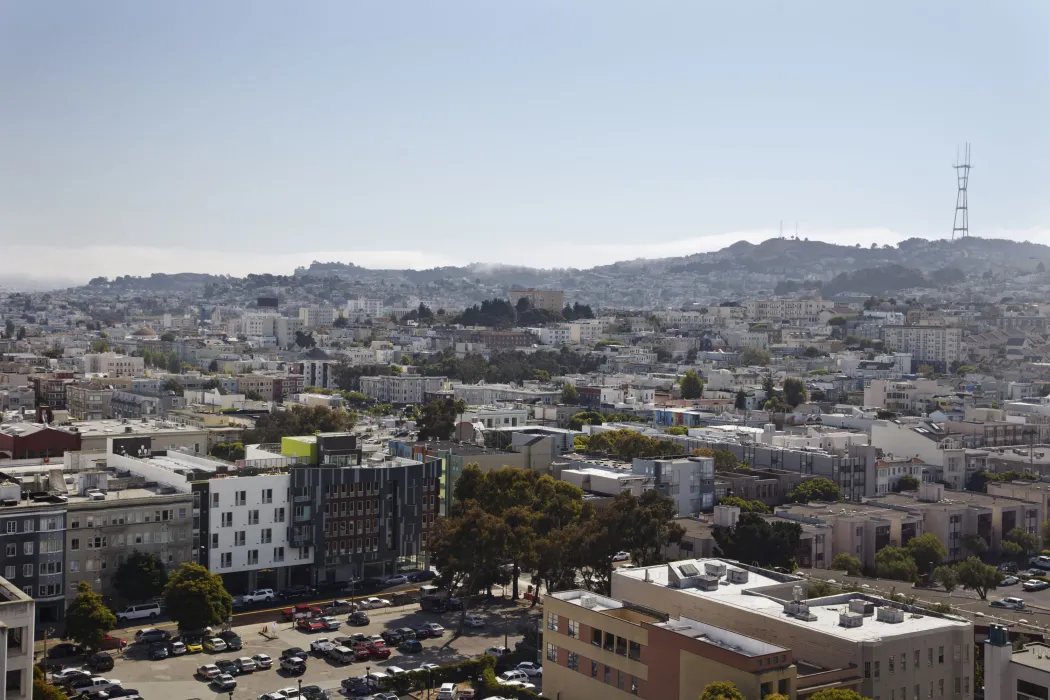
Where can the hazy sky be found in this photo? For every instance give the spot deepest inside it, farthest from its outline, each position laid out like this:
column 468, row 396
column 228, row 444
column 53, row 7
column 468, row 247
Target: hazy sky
column 230, row 136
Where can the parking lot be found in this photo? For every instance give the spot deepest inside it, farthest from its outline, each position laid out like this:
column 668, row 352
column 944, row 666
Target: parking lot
column 174, row 677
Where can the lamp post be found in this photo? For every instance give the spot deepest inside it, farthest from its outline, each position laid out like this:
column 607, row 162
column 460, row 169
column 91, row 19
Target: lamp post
column 368, row 677
column 300, row 687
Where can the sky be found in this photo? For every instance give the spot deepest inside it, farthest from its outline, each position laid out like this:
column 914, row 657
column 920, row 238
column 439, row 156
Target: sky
column 254, row 136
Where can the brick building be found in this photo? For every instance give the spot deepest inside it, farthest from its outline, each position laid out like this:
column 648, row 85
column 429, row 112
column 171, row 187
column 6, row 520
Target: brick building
column 28, row 440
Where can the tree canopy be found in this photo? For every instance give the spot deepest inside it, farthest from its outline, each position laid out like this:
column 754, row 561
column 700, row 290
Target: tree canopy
column 794, row 391
column 844, row 561
column 946, row 576
column 628, row 444
column 721, row 690
column 895, row 563
column 438, row 418
column 299, row 420
column 818, row 489
column 196, row 598
column 974, row 575
column 142, row 576
column 585, row 418
column 569, row 395
column 750, row 357
column 691, row 386
column 906, row 483
column 927, row 551
column 745, row 506
column 756, row 539
column 88, row 620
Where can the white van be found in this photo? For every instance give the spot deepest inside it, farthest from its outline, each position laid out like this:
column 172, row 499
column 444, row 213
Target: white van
column 448, row 691
column 138, row 612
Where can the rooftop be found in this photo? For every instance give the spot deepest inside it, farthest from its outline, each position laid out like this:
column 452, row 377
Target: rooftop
column 717, row 636
column 763, row 592
column 1035, row 655
column 119, row 426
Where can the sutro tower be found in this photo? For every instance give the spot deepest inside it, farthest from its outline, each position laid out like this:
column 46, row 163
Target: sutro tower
column 962, row 213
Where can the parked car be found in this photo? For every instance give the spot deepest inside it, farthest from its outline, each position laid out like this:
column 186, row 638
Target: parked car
column 1009, row 581
column 422, row 631
column 294, row 665
column 225, row 682
column 373, row 602
column 397, row 580
column 194, row 645
column 120, row 692
column 1035, row 585
column 100, row 662
column 1009, row 567
column 391, row 637
column 497, row 651
column 341, row 654
column 395, row 670
column 330, row 623
column 245, row 664
column 139, row 612
column 322, row 645
column 150, row 635
column 293, row 651
column 301, row 611
column 410, row 646
column 513, row 675
column 294, row 592
column 68, row 675
column 310, row 626
column 176, row 648
column 233, row 641
column 621, row 556
column 158, row 651
column 65, row 650
column 358, row 618
column 421, row 576
column 1011, row 603
column 1040, row 562
column 406, row 633
column 379, row 651
column 314, row 692
column 214, row 645
column 260, row 596
column 530, row 669
column 227, row 666
column 434, row 629
column 262, row 661
column 474, row 621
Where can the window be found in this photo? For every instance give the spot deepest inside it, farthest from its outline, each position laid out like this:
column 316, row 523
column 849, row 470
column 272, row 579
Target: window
column 253, row 517
column 610, row 641
column 215, row 500
column 904, row 667
column 253, row 556
column 240, row 498
column 27, row 570
column 214, row 541
column 608, row 674
column 278, row 515
column 29, row 526
column 634, row 650
column 227, row 519
column 226, row 560
column 940, row 688
column 958, row 685
column 267, row 495
column 9, row 571
column 916, row 664
column 929, row 659
column 552, row 621
column 74, row 565
column 238, row 538
column 574, row 661
column 966, row 685
column 876, row 670
column 621, row 646
column 930, row 693
column 594, row 669
column 552, row 653
column 918, row 692
column 619, row 679
column 278, row 553
column 596, row 637
column 867, row 669
column 574, row 629
column 891, row 664
column 266, row 536
column 634, row 685
column 182, row 513
column 12, row 549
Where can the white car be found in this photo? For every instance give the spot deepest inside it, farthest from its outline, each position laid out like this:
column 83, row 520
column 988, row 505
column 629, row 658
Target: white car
column 69, row 673
column 259, row 596
column 373, row 602
column 497, row 651
column 508, row 676
column 225, row 681
column 435, row 629
column 209, row 671
column 530, row 669
column 290, row 693
column 428, row 667
column 245, row 664
column 518, row 684
column 272, row 696
column 322, row 645
column 474, row 621
column 621, row 556
column 395, row 670
column 262, row 661
column 397, row 580
column 1009, row 581
column 177, row 648
column 330, row 623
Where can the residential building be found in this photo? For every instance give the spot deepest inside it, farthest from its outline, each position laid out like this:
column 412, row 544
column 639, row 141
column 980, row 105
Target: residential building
column 551, row 299
column 260, row 384
column 32, row 534
column 113, row 364
column 787, row 308
column 497, row 340
column 319, row 373
column 600, row 647
column 400, row 389
column 878, row 647
column 688, row 481
column 890, row 470
column 94, row 436
column 91, row 401
column 495, row 416
column 1023, row 673
column 768, row 486
column 127, row 404
column 902, row 395
column 17, row 632
column 316, row 316
column 364, row 308
column 555, row 334
column 482, row 393
column 938, row 346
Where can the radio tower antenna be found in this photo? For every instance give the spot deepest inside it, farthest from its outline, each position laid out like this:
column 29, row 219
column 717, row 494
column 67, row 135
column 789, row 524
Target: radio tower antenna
column 962, row 212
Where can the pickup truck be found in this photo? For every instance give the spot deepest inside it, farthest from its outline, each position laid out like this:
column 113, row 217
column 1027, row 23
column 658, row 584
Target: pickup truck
column 300, row 611
column 308, row 625
column 95, row 685
column 322, row 645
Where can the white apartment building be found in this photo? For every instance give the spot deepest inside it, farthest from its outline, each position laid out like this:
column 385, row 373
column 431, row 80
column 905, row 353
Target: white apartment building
column 927, row 344
column 366, row 308
column 113, row 364
column 400, row 389
column 495, row 416
column 319, row 373
column 267, row 325
column 1023, row 674
column 587, row 331
column 556, row 335
column 787, row 308
column 315, row 316
column 17, row 634
column 903, row 395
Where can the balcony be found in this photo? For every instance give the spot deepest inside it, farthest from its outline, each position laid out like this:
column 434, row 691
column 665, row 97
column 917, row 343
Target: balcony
column 305, row 498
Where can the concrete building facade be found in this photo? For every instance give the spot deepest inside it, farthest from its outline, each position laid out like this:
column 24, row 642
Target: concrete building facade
column 17, row 632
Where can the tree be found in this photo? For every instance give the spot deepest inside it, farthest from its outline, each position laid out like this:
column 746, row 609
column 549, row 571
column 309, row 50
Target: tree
column 585, row 418
column 756, row 539
column 21, row 333
column 691, row 386
column 740, row 403
column 467, row 549
column 844, row 561
column 927, row 551
column 1027, row 542
column 542, row 375
column 213, row 366
column 794, row 391
column 305, row 340
column 298, row 420
column 812, row 352
column 721, row 690
column 927, row 372
column 168, row 337
column 230, row 451
column 438, row 418
column 196, row 598
column 837, row 694
column 141, row 577
column 745, row 506
column 906, row 483
column 677, row 430
column 88, row 620
column 895, row 563
column 769, row 387
column 975, row 575
column 818, row 489
column 253, row 395
column 946, row 576
column 174, row 385
column 750, row 357
column 174, row 364
column 975, row 544
column 9, row 329
column 569, row 395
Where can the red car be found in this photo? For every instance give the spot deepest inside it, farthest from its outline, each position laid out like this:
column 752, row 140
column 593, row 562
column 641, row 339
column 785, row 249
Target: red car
column 305, row 625
column 379, row 651
column 361, row 652
column 110, row 642
column 301, row 611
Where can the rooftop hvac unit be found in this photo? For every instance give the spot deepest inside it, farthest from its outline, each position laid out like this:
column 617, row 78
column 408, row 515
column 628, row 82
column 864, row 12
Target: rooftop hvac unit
column 707, row 583
column 587, row 601
column 890, row 615
column 799, row 609
column 737, row 576
column 715, row 568
column 848, row 619
column 862, row 607
column 96, row 496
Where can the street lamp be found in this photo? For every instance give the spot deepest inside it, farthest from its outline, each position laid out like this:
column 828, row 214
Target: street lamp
column 231, row 695
column 368, row 676
column 300, row 688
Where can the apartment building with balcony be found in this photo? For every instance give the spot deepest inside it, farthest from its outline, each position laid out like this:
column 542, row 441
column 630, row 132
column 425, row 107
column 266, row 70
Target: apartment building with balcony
column 596, row 646
column 91, row 401
column 400, row 389
column 113, row 364
column 17, row 632
column 870, row 644
column 933, row 345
